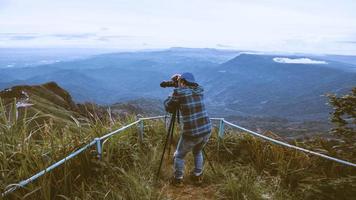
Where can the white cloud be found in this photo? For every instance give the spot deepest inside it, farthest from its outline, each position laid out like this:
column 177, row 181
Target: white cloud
column 298, row 61
column 265, row 25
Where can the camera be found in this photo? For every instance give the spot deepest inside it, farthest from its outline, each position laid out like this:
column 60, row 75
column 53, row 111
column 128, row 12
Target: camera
column 165, row 84
column 174, row 83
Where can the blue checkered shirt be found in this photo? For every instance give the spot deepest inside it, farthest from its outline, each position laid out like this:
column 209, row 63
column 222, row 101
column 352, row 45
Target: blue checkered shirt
column 190, row 102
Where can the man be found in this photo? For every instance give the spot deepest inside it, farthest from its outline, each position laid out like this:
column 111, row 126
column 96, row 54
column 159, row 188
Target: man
column 196, row 129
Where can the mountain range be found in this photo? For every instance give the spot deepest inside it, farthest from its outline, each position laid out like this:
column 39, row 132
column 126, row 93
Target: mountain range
column 236, row 83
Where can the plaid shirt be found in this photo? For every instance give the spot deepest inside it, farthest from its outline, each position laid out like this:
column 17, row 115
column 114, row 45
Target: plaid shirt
column 190, row 102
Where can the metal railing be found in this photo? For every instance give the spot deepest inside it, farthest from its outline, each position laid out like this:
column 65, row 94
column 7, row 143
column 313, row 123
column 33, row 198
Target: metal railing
column 98, row 142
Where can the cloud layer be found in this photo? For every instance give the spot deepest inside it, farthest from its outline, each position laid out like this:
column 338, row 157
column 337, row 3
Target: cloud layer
column 266, row 25
column 298, row 61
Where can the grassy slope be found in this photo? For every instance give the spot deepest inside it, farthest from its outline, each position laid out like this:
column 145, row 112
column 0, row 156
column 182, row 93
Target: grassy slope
column 247, row 168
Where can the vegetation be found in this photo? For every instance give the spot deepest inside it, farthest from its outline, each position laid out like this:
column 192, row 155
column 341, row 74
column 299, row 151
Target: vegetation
column 344, row 118
column 246, row 167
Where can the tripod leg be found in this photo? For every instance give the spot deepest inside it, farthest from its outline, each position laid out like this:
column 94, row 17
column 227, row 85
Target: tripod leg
column 170, row 141
column 170, row 129
column 172, row 135
column 209, row 162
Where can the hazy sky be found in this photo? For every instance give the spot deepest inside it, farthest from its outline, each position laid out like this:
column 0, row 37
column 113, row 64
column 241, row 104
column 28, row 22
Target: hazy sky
column 317, row 26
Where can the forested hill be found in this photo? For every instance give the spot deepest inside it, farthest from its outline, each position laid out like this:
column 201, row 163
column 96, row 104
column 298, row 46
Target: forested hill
column 243, row 84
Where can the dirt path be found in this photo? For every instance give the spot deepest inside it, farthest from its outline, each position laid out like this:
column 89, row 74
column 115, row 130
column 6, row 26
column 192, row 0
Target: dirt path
column 190, row 192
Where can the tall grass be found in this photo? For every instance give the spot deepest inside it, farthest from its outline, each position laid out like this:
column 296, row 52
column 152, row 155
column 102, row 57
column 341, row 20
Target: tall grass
column 29, row 144
column 246, row 167
column 125, row 171
column 300, row 175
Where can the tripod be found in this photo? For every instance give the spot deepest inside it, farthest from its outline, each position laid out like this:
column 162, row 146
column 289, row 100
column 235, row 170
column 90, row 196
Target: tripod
column 169, row 139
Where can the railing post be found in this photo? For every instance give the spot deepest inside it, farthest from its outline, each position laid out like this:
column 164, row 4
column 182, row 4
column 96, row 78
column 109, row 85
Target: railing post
column 221, row 129
column 98, row 147
column 165, row 122
column 220, row 135
column 140, row 133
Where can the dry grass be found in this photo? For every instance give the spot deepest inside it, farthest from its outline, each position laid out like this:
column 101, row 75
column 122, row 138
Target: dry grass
column 247, row 168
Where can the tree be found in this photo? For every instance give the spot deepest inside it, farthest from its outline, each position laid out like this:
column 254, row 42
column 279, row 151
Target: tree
column 344, row 119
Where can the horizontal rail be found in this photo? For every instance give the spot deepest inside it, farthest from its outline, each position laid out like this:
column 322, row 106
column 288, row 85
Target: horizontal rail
column 216, row 118
column 13, row 187
column 157, row 117
column 23, row 183
column 291, row 146
column 118, row 130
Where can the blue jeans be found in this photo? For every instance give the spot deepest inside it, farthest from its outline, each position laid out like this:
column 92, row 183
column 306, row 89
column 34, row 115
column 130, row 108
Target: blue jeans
column 186, row 145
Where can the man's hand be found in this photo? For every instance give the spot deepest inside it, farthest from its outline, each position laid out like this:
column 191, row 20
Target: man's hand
column 175, row 77
column 171, row 104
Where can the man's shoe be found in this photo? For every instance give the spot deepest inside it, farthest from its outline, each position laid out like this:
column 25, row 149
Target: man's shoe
column 197, row 180
column 178, row 182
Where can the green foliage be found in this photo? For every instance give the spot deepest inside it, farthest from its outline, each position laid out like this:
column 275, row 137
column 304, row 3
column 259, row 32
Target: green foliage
column 122, row 173
column 246, row 167
column 241, row 184
column 28, row 145
column 344, row 114
column 299, row 176
column 344, row 119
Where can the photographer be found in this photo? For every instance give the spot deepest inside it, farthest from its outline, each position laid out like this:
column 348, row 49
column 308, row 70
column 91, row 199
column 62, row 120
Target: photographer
column 187, row 97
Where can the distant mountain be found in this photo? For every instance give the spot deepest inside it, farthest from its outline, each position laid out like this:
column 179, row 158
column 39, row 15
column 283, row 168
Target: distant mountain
column 114, row 77
column 257, row 85
column 83, row 87
column 50, row 100
column 30, row 57
column 142, row 106
column 342, row 58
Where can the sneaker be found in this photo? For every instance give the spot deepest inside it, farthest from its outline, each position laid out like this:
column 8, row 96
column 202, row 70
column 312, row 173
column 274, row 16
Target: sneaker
column 178, row 182
column 197, row 180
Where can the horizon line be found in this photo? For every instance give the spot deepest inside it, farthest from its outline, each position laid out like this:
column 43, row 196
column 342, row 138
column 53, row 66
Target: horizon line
column 122, row 50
